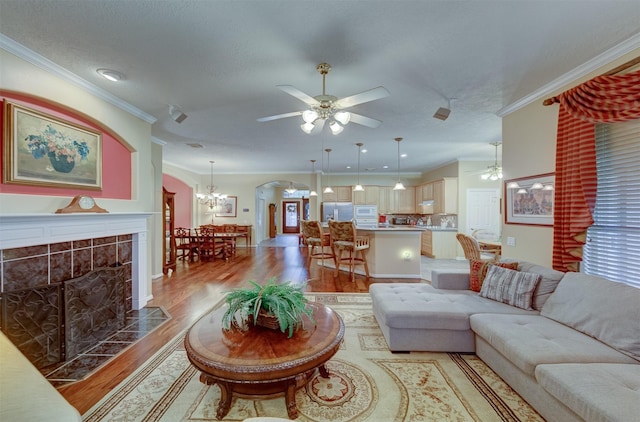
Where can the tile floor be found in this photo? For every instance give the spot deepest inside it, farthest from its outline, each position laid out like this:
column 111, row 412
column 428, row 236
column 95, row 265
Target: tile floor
column 138, row 324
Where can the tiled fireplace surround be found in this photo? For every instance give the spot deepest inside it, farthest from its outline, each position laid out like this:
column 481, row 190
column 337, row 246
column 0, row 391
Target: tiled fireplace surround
column 40, row 249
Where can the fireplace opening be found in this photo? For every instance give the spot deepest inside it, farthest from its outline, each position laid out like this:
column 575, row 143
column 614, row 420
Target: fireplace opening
column 53, row 323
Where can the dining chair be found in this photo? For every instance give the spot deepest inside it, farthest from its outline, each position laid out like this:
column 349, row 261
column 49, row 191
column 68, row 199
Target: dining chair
column 209, row 247
column 345, row 239
column 184, row 245
column 314, row 238
column 472, row 249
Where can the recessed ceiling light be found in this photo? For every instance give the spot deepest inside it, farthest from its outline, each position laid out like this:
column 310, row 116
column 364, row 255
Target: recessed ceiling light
column 348, row 167
column 196, row 145
column 403, row 155
column 111, row 75
column 385, row 167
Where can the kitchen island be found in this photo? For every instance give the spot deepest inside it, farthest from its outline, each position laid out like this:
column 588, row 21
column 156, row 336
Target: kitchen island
column 394, row 252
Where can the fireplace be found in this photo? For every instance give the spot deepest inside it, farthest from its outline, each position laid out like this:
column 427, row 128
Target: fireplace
column 54, row 323
column 43, row 256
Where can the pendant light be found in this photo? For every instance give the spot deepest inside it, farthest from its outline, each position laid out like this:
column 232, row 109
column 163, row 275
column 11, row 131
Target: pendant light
column 313, row 174
column 291, row 189
column 328, row 188
column 358, row 187
column 399, row 185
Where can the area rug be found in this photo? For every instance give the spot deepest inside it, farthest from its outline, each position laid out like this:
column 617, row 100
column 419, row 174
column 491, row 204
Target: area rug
column 367, row 383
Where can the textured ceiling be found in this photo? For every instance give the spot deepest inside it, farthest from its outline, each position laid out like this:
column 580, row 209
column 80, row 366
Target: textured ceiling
column 220, row 62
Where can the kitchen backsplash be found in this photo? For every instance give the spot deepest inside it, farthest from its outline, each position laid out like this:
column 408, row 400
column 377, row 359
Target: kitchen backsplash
column 448, row 220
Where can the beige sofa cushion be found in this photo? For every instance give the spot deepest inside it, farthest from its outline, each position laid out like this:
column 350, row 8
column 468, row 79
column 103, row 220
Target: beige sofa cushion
column 530, row 340
column 547, row 285
column 603, row 309
column 595, row 391
column 25, row 395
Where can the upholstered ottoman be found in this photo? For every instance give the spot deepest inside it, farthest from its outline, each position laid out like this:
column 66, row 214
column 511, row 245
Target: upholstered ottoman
column 419, row 317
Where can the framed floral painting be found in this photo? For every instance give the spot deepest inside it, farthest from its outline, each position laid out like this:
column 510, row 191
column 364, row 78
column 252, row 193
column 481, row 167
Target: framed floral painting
column 43, row 150
column 227, row 207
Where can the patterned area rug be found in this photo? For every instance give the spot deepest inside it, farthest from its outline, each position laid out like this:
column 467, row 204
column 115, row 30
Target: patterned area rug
column 367, row 383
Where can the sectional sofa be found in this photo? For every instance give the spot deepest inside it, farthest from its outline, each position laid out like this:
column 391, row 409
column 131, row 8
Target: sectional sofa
column 25, row 394
column 571, row 350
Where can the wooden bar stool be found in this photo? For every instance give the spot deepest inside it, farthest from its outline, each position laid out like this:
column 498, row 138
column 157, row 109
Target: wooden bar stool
column 315, row 238
column 344, row 238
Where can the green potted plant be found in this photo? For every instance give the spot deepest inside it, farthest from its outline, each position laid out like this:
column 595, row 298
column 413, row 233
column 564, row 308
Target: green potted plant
column 284, row 304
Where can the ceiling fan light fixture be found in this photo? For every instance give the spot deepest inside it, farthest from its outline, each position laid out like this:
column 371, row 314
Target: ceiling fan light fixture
column 335, row 127
column 309, row 116
column 343, row 117
column 493, row 172
column 307, row 127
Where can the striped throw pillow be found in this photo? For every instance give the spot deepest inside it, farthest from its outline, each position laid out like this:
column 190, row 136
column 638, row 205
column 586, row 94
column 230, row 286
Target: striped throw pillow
column 514, row 288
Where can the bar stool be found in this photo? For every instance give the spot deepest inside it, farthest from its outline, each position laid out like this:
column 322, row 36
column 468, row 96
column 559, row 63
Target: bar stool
column 344, row 238
column 315, row 238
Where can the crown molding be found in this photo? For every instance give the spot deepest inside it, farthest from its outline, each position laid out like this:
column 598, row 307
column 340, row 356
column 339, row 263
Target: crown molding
column 42, row 62
column 596, row 63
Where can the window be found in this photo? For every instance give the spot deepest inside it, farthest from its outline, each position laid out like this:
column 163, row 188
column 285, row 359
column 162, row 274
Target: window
column 613, row 241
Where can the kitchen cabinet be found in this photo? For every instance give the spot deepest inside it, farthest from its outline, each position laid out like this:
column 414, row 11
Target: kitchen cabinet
column 370, row 196
column 439, row 244
column 426, row 243
column 405, row 200
column 340, row 194
column 386, row 200
column 445, row 196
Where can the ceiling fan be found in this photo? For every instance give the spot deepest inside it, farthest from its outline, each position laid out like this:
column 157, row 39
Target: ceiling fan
column 328, row 107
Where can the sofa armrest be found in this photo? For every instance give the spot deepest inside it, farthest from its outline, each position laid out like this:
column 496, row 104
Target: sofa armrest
column 25, row 394
column 450, row 279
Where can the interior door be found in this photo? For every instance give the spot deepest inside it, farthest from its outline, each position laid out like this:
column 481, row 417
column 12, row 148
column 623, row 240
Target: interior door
column 483, row 210
column 290, row 217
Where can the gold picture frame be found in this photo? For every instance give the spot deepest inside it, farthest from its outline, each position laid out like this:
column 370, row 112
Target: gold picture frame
column 44, row 150
column 529, row 200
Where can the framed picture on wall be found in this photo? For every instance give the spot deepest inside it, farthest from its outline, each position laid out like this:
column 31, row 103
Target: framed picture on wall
column 529, row 200
column 227, row 207
column 44, row 150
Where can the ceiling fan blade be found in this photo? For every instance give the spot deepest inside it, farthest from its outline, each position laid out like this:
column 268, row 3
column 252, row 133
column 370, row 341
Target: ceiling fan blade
column 364, row 121
column 305, row 98
column 363, row 97
column 319, row 125
column 279, row 116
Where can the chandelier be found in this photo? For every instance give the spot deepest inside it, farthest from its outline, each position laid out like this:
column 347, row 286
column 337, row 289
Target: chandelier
column 210, row 199
column 493, row 172
column 291, row 189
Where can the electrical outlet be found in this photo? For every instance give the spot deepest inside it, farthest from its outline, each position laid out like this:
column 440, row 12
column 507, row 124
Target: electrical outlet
column 511, row 241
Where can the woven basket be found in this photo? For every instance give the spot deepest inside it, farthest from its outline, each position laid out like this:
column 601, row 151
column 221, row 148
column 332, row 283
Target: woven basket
column 267, row 321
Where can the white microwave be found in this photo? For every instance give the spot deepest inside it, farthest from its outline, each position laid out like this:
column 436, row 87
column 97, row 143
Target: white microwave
column 365, row 211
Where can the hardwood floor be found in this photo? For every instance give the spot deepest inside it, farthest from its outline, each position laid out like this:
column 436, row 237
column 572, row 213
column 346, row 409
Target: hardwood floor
column 194, row 288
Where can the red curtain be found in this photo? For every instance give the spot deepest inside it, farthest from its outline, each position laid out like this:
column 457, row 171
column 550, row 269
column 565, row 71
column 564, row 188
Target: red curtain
column 603, row 99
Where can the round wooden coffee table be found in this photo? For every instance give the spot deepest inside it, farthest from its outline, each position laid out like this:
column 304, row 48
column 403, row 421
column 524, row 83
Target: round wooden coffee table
column 262, row 363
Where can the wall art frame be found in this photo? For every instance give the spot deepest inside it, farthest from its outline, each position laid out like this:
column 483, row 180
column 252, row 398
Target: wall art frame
column 227, row 207
column 529, row 200
column 43, row 150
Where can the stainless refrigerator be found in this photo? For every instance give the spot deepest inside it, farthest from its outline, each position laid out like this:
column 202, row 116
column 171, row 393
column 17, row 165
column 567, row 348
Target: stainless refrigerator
column 337, row 211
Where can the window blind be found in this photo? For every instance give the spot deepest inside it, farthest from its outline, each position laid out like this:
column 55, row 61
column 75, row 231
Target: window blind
column 613, row 241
